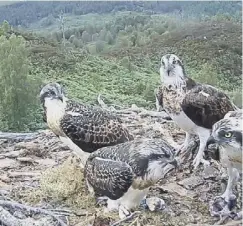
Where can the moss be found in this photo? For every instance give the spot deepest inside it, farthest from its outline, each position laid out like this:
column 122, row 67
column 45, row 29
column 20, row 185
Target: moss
column 63, row 184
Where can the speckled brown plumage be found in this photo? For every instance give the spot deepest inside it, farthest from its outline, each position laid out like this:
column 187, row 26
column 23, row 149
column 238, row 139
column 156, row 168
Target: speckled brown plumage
column 206, row 110
column 93, row 128
column 194, row 107
column 203, row 110
column 159, row 95
column 89, row 127
column 111, row 171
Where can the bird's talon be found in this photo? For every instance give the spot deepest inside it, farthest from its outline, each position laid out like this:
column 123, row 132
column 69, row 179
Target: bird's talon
column 155, row 204
column 219, row 207
column 123, row 212
column 101, row 201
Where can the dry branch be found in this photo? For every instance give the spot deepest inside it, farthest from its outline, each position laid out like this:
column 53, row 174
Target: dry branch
column 33, row 210
column 7, row 219
column 134, row 109
column 103, row 105
column 18, row 136
column 125, row 219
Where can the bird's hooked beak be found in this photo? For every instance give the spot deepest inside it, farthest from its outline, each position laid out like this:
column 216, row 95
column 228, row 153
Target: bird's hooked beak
column 59, row 97
column 210, row 140
column 169, row 69
column 212, row 153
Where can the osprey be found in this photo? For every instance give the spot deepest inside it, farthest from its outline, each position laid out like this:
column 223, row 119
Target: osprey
column 194, row 107
column 83, row 128
column 123, row 173
column 158, row 101
column 227, row 134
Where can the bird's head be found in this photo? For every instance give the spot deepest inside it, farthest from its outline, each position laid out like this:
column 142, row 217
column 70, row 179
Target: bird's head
column 227, row 133
column 52, row 91
column 172, row 71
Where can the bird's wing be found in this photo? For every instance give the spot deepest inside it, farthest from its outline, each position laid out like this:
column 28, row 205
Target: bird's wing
column 92, row 128
column 159, row 95
column 44, row 115
column 205, row 105
column 108, row 177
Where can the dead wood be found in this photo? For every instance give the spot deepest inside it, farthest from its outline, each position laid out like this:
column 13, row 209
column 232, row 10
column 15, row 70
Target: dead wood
column 7, row 219
column 134, row 109
column 126, row 218
column 29, row 209
column 18, row 136
column 103, row 105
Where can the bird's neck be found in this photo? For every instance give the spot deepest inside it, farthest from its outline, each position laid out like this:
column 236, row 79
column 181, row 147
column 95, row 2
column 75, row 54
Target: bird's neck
column 55, row 110
column 177, row 82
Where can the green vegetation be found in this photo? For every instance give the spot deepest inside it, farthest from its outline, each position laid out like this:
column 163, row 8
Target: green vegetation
column 17, row 87
column 117, row 54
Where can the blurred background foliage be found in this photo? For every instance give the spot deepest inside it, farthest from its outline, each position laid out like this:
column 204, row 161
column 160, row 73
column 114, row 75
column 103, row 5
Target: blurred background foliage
column 111, row 48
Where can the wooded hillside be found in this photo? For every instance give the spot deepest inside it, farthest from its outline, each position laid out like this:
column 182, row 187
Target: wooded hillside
column 108, row 50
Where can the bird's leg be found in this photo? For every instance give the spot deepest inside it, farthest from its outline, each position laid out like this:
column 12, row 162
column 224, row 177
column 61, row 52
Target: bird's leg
column 203, row 137
column 101, row 201
column 143, row 202
column 158, row 106
column 155, row 204
column 112, row 205
column 184, row 146
column 123, row 212
column 233, row 176
column 222, row 205
column 83, row 156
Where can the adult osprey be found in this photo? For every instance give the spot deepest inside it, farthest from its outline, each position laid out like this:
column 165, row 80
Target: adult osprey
column 124, row 172
column 194, row 107
column 227, row 133
column 84, row 128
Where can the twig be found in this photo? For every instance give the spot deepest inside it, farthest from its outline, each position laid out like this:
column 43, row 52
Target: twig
column 18, row 136
column 101, row 102
column 231, row 223
column 126, row 218
column 68, row 212
column 7, row 219
column 60, row 210
column 136, row 219
column 30, row 209
column 134, row 109
column 103, row 105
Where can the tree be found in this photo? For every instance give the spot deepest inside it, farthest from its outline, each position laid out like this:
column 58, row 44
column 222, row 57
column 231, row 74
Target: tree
column 48, row 21
column 123, row 42
column 102, row 35
column 99, row 45
column 86, row 37
column 95, row 37
column 62, row 22
column 109, row 38
column 18, row 91
column 78, row 43
column 134, row 38
column 129, row 28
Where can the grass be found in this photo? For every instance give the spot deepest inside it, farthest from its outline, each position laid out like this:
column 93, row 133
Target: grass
column 63, row 184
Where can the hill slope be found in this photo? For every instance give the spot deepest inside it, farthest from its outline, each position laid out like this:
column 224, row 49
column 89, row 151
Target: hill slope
column 126, row 71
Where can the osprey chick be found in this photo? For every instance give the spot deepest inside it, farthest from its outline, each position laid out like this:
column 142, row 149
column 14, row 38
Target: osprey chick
column 123, row 173
column 227, row 134
column 194, row 107
column 84, row 128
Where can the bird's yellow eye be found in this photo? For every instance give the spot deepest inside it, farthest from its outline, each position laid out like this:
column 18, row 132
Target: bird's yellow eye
column 228, row 135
